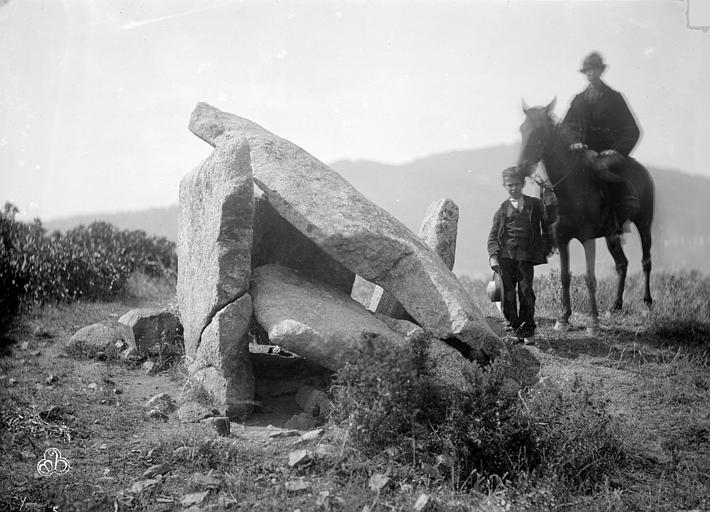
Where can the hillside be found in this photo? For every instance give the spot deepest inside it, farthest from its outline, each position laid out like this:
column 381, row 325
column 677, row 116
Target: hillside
column 472, row 179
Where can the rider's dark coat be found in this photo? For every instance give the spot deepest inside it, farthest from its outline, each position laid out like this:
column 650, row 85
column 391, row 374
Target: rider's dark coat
column 604, row 122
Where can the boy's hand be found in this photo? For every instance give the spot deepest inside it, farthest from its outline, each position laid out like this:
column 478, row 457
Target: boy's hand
column 494, row 264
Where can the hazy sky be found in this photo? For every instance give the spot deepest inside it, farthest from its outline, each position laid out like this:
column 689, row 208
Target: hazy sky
column 95, row 96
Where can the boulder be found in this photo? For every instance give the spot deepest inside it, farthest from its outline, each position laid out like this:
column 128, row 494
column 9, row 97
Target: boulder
column 152, row 331
column 312, row 319
column 438, row 231
column 360, row 235
column 277, row 241
column 96, row 338
column 215, row 233
column 222, row 364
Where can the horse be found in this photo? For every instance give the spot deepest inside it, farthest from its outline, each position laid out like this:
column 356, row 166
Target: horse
column 583, row 207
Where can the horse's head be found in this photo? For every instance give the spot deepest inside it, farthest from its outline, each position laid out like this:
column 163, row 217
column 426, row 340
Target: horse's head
column 536, row 131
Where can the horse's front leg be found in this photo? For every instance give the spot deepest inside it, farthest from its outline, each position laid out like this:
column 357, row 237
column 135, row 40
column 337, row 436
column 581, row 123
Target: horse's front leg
column 590, row 252
column 613, row 243
column 562, row 323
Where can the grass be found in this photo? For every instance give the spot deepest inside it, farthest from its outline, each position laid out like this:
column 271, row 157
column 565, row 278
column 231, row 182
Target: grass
column 626, row 425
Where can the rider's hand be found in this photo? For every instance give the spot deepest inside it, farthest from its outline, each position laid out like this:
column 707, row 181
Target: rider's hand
column 494, row 264
column 577, row 146
column 609, row 152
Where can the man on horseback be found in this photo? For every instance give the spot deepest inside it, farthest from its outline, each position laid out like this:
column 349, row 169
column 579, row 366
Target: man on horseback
column 600, row 122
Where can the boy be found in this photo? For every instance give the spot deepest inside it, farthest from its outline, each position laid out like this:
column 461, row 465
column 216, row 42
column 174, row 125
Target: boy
column 519, row 239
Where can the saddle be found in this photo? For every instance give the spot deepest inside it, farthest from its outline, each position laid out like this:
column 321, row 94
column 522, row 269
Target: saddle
column 622, row 194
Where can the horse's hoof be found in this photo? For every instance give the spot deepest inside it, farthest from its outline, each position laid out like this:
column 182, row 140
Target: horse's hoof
column 562, row 326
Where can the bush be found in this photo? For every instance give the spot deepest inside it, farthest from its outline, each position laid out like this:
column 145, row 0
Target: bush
column 389, row 403
column 90, row 262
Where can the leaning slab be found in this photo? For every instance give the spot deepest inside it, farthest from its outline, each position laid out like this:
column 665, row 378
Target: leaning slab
column 312, row 319
column 354, row 231
column 222, row 364
column 438, row 231
column 214, row 237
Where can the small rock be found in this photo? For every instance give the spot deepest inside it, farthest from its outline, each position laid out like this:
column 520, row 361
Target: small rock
column 279, row 434
column 423, row 503
column 117, row 391
column 51, row 379
column 11, row 381
column 378, row 481
column 158, row 469
column 297, row 485
column 121, row 345
column 103, row 446
column 101, row 356
column 303, row 421
column 209, row 481
column 162, row 402
column 312, row 435
column 158, row 415
column 299, row 458
column 130, row 354
column 148, row 366
column 142, row 485
column 35, row 353
column 93, row 386
column 40, row 332
column 193, row 499
column 25, row 345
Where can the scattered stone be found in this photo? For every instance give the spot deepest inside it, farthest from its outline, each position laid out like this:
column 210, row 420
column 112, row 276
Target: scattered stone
column 312, row 435
column 215, row 235
column 280, row 434
column 424, row 503
column 221, row 425
column 314, row 401
column 103, row 446
column 302, row 421
column 11, row 381
column 299, row 458
column 148, row 366
column 161, row 402
column 158, row 415
column 130, row 354
column 96, row 338
column 378, row 481
column 209, row 481
column 40, row 332
column 192, row 412
column 93, row 386
column 25, row 345
column 193, row 499
column 51, row 379
column 152, row 331
column 297, row 485
column 101, row 356
column 159, row 469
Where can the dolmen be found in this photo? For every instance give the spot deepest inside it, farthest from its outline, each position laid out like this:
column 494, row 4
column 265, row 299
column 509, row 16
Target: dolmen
column 269, row 235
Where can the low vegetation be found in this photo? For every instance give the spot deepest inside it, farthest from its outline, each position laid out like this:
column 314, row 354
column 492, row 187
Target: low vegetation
column 619, row 422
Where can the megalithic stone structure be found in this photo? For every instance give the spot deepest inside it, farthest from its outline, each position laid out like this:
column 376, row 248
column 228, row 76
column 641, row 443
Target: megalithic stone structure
column 363, row 237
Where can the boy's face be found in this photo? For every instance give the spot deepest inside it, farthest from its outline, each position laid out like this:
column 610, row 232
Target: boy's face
column 514, row 186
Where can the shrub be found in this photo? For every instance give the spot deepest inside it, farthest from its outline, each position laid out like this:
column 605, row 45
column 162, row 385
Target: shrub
column 90, row 262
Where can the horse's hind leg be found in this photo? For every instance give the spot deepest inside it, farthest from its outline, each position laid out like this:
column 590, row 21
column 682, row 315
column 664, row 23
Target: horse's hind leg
column 562, row 323
column 613, row 243
column 590, row 253
column 645, row 233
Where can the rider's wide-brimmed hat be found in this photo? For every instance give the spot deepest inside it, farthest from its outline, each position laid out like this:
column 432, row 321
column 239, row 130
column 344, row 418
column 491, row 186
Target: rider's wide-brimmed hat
column 494, row 290
column 592, row 61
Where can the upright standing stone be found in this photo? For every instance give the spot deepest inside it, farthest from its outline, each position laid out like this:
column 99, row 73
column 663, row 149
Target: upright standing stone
column 214, row 237
column 362, row 236
column 222, row 364
column 438, row 231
